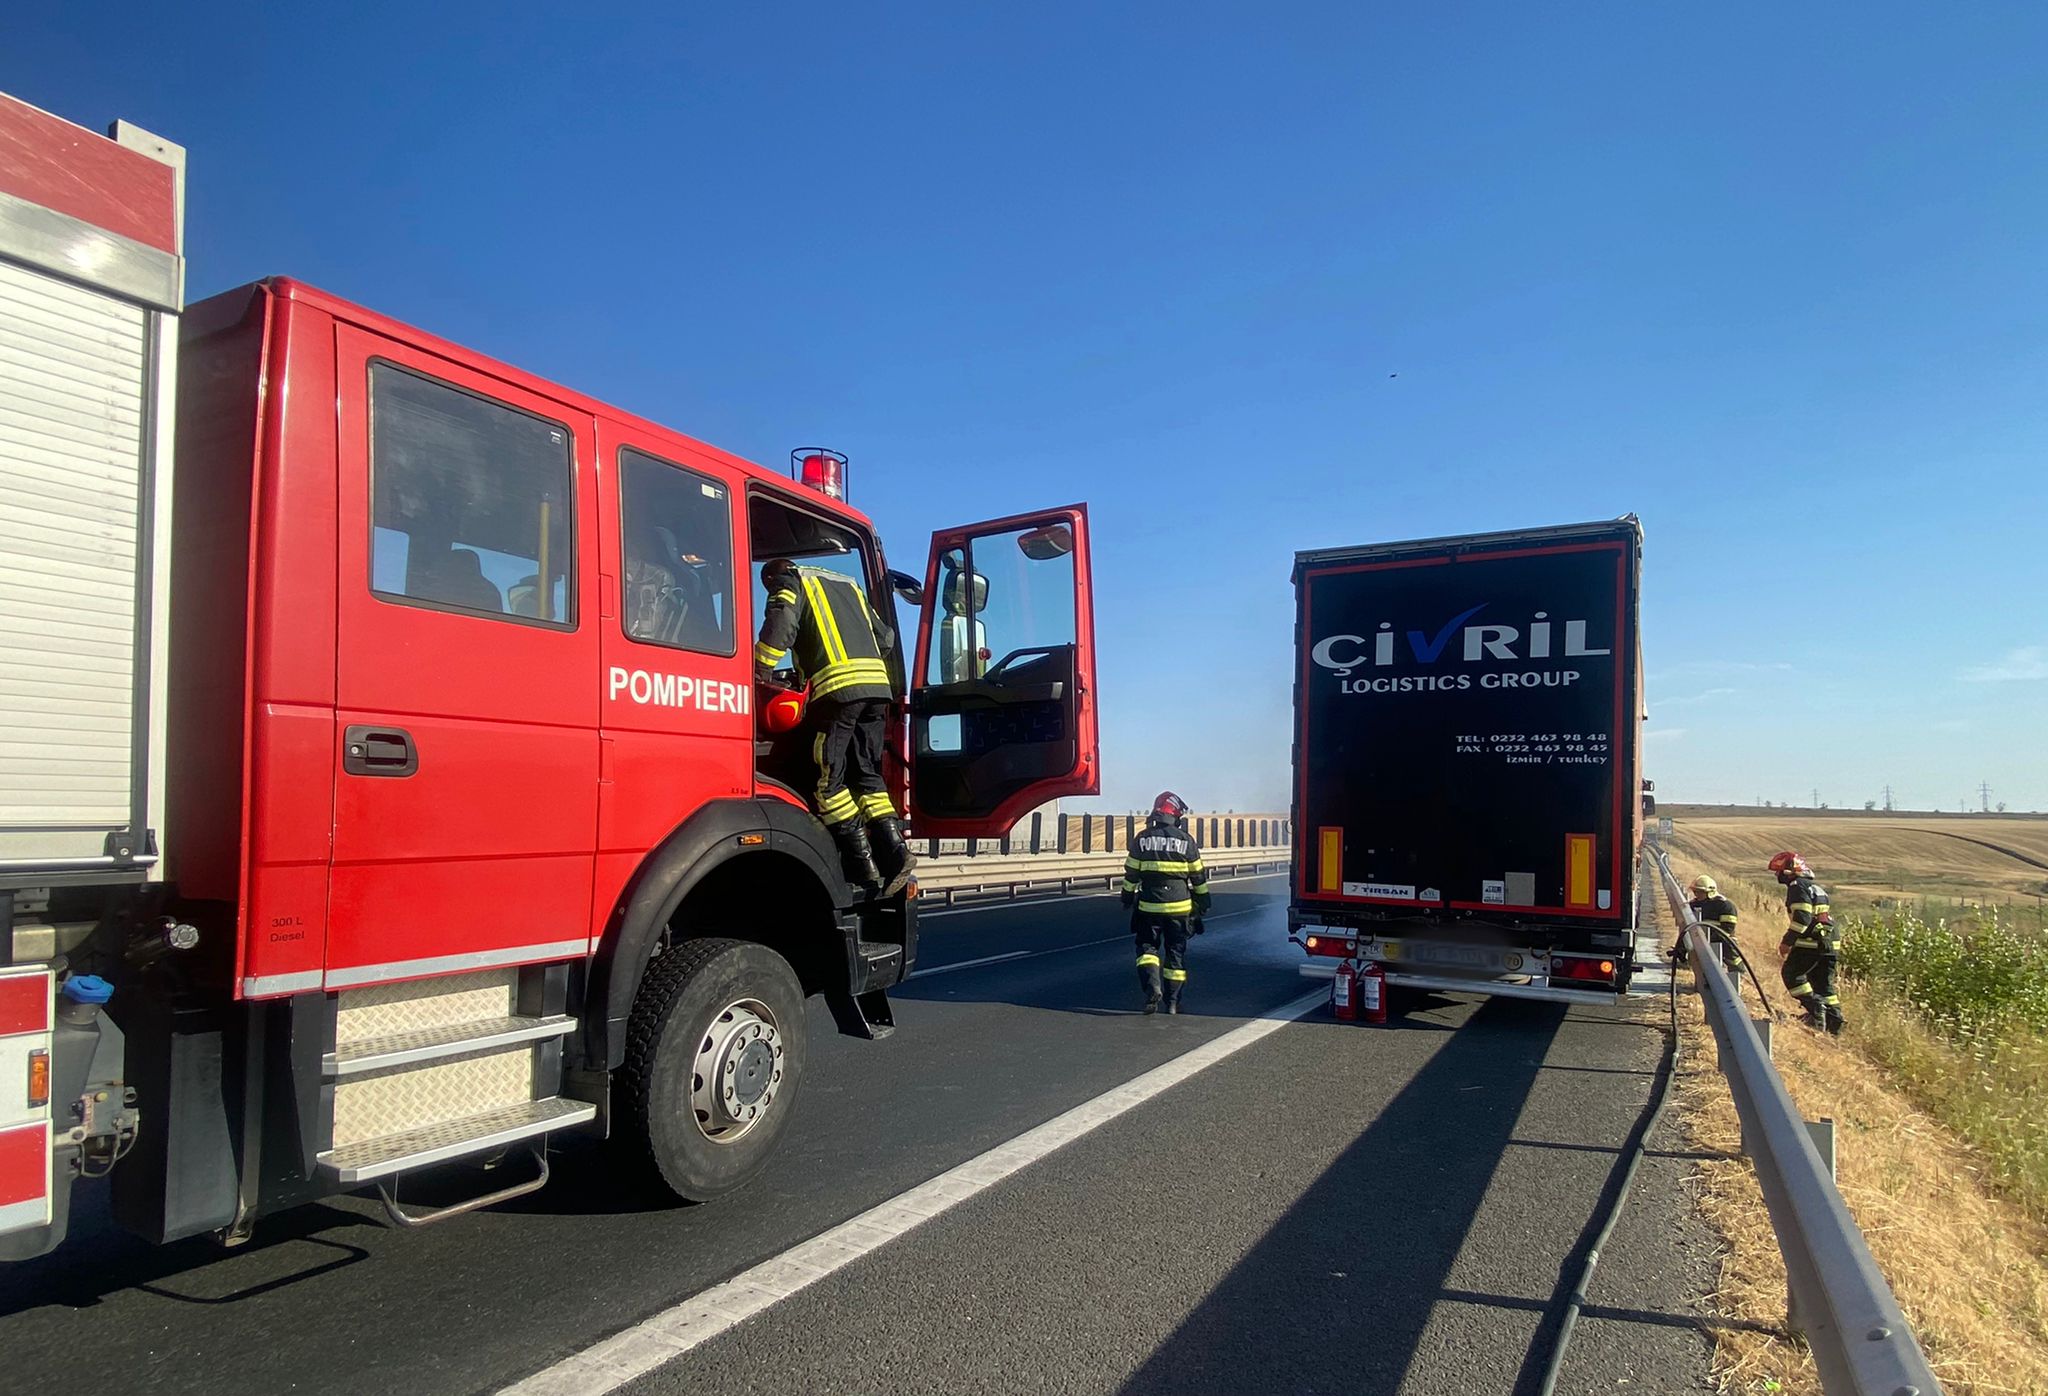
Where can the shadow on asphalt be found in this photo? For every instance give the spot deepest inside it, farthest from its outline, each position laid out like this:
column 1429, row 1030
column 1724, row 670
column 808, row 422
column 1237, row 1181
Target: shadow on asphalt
column 1400, row 1199
column 287, row 1249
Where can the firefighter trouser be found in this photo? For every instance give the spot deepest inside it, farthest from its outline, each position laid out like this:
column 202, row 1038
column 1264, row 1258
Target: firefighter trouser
column 1810, row 977
column 1162, row 954
column 847, row 748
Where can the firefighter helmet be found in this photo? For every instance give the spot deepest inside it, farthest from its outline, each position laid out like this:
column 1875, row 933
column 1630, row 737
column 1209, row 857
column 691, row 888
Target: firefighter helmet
column 1170, row 806
column 1788, row 865
column 1705, row 886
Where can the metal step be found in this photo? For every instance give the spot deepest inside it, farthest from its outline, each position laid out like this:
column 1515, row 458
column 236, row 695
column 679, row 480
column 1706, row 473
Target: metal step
column 881, row 965
column 479, row 1134
column 445, row 1040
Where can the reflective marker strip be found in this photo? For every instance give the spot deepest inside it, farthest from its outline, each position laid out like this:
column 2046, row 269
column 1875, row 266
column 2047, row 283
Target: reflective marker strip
column 1578, row 872
column 1330, row 870
column 24, row 1003
column 632, row 1354
column 24, row 1177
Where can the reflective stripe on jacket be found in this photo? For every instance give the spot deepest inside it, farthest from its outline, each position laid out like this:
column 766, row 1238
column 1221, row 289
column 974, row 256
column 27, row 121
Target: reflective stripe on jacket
column 838, row 643
column 1164, row 870
column 1813, row 923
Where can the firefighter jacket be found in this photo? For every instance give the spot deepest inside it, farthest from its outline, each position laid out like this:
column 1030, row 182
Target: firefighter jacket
column 1164, row 871
column 1813, row 925
column 1715, row 911
column 837, row 640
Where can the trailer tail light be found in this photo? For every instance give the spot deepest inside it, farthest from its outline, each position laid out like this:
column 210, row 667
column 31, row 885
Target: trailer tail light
column 38, row 1079
column 1581, row 970
column 817, row 468
column 1336, row 946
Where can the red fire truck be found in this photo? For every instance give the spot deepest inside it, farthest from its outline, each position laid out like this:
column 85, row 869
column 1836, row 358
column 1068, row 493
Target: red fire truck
column 386, row 787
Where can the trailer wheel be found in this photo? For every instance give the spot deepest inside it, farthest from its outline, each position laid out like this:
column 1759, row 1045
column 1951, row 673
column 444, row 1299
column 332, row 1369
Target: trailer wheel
column 714, row 1056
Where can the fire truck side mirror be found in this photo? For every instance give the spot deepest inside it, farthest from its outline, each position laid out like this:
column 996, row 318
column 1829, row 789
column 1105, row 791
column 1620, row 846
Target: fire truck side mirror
column 907, row 587
column 1045, row 544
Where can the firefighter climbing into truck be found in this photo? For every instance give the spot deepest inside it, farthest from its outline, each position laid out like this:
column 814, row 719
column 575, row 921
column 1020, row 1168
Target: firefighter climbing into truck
column 385, row 786
column 839, row 646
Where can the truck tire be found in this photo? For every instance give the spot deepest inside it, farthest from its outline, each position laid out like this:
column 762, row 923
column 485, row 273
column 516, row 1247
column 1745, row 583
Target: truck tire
column 714, row 1056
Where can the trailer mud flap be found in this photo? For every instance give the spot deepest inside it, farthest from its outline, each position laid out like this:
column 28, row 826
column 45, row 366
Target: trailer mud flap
column 26, row 1008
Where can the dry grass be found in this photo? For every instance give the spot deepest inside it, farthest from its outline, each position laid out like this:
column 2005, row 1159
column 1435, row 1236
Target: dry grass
column 1966, row 1263
column 1865, row 860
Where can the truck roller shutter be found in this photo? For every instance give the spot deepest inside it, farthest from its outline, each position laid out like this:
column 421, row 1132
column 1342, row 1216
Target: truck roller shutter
column 75, row 378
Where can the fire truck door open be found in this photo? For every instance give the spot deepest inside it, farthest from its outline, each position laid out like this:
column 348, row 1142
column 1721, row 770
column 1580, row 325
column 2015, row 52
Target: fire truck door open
column 1002, row 704
column 465, row 808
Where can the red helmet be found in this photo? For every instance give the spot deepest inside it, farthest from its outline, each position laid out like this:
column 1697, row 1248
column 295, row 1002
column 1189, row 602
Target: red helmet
column 1789, row 864
column 1170, row 805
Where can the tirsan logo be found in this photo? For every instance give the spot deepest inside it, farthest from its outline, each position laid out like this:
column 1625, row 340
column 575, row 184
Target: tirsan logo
column 1341, row 654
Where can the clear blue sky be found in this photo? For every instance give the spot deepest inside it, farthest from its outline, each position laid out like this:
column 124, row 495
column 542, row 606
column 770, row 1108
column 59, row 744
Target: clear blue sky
column 1773, row 277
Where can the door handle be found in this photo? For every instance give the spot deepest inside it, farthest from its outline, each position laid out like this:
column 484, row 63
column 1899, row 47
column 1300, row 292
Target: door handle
column 379, row 751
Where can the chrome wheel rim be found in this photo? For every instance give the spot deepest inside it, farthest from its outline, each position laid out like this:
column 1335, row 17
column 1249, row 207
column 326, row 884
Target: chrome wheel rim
column 737, row 1076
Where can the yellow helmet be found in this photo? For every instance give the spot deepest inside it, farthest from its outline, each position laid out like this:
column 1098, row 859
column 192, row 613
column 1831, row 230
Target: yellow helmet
column 1705, row 886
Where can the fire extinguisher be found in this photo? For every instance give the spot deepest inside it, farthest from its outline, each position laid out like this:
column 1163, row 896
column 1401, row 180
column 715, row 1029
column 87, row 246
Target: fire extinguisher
column 1344, row 993
column 1372, row 993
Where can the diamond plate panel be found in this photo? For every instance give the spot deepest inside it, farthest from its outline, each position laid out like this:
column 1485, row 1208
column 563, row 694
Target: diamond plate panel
column 374, row 1106
column 384, row 1010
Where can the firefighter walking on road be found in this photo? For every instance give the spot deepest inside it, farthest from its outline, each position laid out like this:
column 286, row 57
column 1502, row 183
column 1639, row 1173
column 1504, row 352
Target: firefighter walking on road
column 1811, row 945
column 1717, row 914
column 839, row 644
column 1166, row 890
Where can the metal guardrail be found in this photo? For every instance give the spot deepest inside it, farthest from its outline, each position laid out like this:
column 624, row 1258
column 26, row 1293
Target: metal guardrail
column 974, row 881
column 1858, row 1335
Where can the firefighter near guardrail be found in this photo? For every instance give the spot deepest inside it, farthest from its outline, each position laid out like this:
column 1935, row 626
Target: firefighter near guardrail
column 1811, row 946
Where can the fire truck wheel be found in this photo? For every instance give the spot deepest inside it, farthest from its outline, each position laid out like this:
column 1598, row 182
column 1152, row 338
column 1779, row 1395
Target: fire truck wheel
column 714, row 1056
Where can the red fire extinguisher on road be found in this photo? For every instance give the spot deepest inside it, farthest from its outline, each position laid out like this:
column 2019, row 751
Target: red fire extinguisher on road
column 1372, row 993
column 1344, row 993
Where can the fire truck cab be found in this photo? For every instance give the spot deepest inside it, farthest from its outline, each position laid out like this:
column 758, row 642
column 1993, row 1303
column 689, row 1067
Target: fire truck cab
column 461, row 818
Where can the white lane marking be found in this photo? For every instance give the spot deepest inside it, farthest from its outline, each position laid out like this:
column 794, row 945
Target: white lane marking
column 970, row 964
column 1057, row 949
column 1075, row 897
column 624, row 1357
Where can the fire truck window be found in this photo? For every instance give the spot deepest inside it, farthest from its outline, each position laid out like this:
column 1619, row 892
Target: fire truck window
column 675, row 531
column 1004, row 599
column 470, row 502
column 777, row 531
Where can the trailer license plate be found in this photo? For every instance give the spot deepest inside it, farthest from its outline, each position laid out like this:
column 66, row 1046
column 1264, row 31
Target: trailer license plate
column 1422, row 952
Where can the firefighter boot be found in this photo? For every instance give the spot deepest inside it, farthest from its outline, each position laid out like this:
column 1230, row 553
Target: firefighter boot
column 1148, row 981
column 1816, row 1014
column 1834, row 1017
column 1172, row 996
column 892, row 855
column 857, row 855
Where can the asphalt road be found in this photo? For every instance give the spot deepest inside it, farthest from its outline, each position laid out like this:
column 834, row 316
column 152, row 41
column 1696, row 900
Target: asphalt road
column 1334, row 1208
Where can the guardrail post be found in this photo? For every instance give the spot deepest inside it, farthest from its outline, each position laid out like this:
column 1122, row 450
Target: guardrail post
column 1087, row 833
column 1061, row 838
column 931, row 848
column 1763, row 1028
column 1037, row 820
column 973, row 847
column 1823, row 1132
